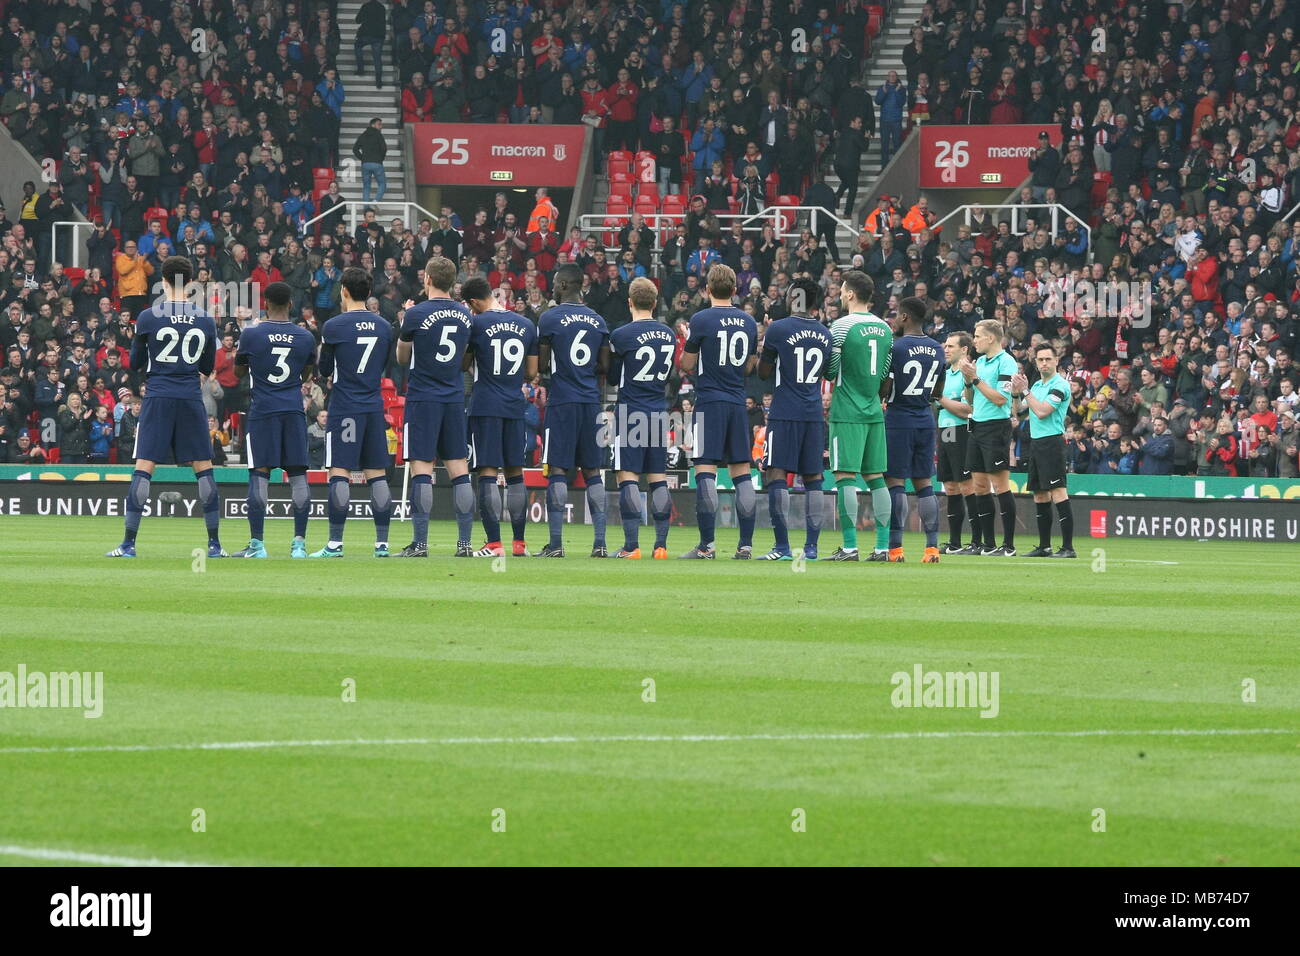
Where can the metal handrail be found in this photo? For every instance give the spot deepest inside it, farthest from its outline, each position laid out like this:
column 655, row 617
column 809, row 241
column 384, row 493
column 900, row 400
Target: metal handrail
column 76, row 246
column 1288, row 216
column 773, row 215
column 355, row 205
column 1056, row 209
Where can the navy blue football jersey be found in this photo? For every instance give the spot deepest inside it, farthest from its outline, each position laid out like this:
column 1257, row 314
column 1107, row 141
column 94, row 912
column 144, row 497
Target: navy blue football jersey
column 354, row 352
column 799, row 349
column 916, row 362
column 575, row 335
column 725, row 338
column 438, row 331
column 276, row 353
column 501, row 341
column 640, row 361
column 175, row 342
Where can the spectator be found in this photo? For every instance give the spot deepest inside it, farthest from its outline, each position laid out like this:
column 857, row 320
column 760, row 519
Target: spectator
column 370, row 150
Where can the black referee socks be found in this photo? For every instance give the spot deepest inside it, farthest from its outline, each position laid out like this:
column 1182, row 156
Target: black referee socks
column 1044, row 510
column 956, row 518
column 1066, row 514
column 1007, row 505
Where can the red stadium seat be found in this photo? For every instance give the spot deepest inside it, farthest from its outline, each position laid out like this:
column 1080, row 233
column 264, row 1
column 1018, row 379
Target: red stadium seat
column 648, row 191
column 74, row 274
column 620, row 156
column 323, row 172
column 619, row 166
column 674, row 204
column 645, row 166
column 619, row 176
column 621, row 190
column 161, row 214
column 646, row 207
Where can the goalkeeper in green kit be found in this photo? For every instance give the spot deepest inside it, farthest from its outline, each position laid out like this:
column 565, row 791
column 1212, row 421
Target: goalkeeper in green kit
column 859, row 367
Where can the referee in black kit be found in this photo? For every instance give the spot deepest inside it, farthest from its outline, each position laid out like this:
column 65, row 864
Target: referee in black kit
column 1048, row 401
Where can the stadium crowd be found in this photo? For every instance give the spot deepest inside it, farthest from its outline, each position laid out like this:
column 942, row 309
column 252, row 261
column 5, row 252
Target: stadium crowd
column 1178, row 149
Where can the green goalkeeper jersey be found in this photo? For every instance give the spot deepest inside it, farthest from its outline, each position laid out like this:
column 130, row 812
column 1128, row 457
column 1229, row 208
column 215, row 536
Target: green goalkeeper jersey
column 859, row 363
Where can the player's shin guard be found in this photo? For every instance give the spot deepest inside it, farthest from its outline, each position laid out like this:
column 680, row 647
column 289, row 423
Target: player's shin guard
column 974, row 511
column 489, row 508
column 661, row 509
column 1066, row 515
column 956, row 518
column 340, row 495
column 746, row 508
column 1007, row 505
column 211, row 499
column 136, row 498
column 421, row 505
column 927, row 506
column 1043, row 511
column 381, row 506
column 986, row 508
column 898, row 508
column 706, row 507
column 813, row 499
column 597, row 504
column 256, row 504
column 882, row 509
column 301, row 495
column 778, row 509
column 846, row 498
column 629, row 509
column 517, row 505
column 462, row 502
column 557, row 503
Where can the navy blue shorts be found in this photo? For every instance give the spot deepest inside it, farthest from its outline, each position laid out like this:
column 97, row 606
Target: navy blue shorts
column 278, row 440
column 496, row 442
column 911, row 452
column 435, row 431
column 173, row 429
column 795, row 447
column 356, row 441
column 641, row 441
column 571, row 436
column 721, row 434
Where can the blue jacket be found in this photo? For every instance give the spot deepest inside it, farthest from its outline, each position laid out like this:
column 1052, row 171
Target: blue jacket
column 1157, row 455
column 892, row 102
column 707, row 148
column 101, row 436
column 700, row 261
column 332, row 98
column 694, row 84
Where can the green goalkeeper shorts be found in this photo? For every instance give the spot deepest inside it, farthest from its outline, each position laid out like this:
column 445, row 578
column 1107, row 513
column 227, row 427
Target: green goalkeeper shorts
column 859, row 448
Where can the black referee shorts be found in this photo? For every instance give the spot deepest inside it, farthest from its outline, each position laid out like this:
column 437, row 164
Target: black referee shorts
column 989, row 447
column 953, row 442
column 1046, row 471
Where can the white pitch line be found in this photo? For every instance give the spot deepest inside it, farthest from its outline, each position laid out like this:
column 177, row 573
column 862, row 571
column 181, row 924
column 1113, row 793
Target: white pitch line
column 637, row 738
column 73, row 856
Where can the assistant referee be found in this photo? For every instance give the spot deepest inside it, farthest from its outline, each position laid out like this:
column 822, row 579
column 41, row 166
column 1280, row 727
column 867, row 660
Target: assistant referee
column 1048, row 401
column 988, row 383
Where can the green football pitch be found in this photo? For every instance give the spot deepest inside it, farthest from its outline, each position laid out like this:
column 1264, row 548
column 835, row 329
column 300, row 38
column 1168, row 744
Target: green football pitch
column 604, row 712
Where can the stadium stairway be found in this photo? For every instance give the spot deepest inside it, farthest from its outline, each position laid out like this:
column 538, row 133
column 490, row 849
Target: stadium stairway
column 362, row 103
column 886, row 55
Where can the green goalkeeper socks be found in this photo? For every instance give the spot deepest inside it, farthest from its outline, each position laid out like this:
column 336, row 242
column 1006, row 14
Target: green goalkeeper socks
column 882, row 509
column 846, row 498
